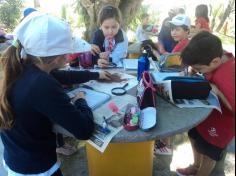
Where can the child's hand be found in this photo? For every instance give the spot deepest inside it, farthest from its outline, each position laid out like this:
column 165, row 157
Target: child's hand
column 104, row 55
column 103, row 63
column 221, row 96
column 95, row 49
column 105, row 75
column 78, row 96
column 156, row 54
column 191, row 71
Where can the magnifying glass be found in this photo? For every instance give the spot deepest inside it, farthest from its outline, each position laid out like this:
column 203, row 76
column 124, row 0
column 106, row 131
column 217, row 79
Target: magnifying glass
column 118, row 91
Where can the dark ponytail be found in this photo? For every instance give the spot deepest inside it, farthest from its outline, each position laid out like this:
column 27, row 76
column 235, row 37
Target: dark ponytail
column 12, row 69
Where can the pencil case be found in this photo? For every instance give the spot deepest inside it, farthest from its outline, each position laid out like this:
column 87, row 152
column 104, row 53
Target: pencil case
column 189, row 87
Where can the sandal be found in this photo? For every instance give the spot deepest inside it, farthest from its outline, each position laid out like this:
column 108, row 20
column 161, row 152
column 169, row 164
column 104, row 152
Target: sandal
column 188, row 171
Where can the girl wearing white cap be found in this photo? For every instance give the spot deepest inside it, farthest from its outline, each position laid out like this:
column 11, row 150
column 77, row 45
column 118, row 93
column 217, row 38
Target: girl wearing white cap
column 32, row 100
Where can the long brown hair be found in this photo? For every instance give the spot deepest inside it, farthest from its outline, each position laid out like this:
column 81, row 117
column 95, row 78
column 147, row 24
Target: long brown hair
column 12, row 67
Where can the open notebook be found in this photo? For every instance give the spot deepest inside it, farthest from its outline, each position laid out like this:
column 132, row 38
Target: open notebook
column 94, row 98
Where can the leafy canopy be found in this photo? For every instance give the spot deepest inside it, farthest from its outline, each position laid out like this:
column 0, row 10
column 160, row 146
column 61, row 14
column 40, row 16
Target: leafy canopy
column 10, row 12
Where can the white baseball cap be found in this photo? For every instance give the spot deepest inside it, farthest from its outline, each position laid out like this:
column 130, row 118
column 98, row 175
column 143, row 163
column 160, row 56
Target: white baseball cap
column 81, row 45
column 44, row 35
column 180, row 20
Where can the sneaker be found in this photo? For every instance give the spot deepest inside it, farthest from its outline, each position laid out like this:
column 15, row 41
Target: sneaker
column 66, row 150
column 162, row 149
column 189, row 171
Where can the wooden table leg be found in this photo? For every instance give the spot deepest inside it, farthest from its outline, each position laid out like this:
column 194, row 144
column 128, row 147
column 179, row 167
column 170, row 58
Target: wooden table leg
column 127, row 159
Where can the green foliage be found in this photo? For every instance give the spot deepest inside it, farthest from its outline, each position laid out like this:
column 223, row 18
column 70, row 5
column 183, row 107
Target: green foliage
column 63, row 12
column 10, row 12
column 82, row 17
column 154, row 17
column 137, row 20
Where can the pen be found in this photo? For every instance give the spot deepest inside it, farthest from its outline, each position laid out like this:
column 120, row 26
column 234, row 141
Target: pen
column 105, row 126
column 187, row 70
column 105, row 120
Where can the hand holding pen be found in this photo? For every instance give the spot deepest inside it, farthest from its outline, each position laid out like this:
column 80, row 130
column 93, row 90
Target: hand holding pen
column 79, row 95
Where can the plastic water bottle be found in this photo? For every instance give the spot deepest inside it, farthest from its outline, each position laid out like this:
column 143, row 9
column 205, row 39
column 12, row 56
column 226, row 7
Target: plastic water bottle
column 143, row 64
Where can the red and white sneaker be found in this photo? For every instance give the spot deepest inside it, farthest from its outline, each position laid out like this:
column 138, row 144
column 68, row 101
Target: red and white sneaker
column 162, row 149
column 189, row 171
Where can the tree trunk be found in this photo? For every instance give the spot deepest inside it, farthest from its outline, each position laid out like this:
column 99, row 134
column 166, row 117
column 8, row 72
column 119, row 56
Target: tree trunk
column 36, row 4
column 129, row 9
column 215, row 12
column 91, row 9
column 227, row 13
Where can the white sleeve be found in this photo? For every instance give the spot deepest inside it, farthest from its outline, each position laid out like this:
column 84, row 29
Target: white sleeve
column 139, row 35
column 120, row 51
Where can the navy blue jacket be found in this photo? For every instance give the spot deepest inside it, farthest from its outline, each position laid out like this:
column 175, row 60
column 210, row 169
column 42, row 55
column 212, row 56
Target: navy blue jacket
column 39, row 100
column 120, row 48
column 165, row 37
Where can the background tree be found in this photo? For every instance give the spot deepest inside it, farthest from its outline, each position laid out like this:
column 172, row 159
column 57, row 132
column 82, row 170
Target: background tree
column 90, row 9
column 36, row 4
column 215, row 11
column 228, row 11
column 10, row 13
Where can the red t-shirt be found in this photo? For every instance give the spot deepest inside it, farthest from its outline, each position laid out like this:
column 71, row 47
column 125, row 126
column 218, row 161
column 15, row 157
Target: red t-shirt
column 219, row 129
column 203, row 23
column 180, row 46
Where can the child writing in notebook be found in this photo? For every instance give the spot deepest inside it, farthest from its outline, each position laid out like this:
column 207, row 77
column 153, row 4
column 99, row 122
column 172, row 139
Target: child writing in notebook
column 109, row 43
column 209, row 139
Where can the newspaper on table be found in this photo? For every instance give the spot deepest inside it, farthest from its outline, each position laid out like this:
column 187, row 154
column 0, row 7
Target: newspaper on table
column 165, row 91
column 101, row 138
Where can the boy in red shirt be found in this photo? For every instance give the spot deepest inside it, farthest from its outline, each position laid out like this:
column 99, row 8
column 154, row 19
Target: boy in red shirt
column 180, row 28
column 209, row 139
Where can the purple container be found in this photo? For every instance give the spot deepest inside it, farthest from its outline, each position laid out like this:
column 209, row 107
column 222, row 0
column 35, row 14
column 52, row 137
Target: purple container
column 85, row 60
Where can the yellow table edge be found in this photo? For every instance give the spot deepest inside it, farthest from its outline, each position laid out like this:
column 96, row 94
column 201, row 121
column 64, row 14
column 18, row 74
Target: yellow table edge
column 121, row 159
